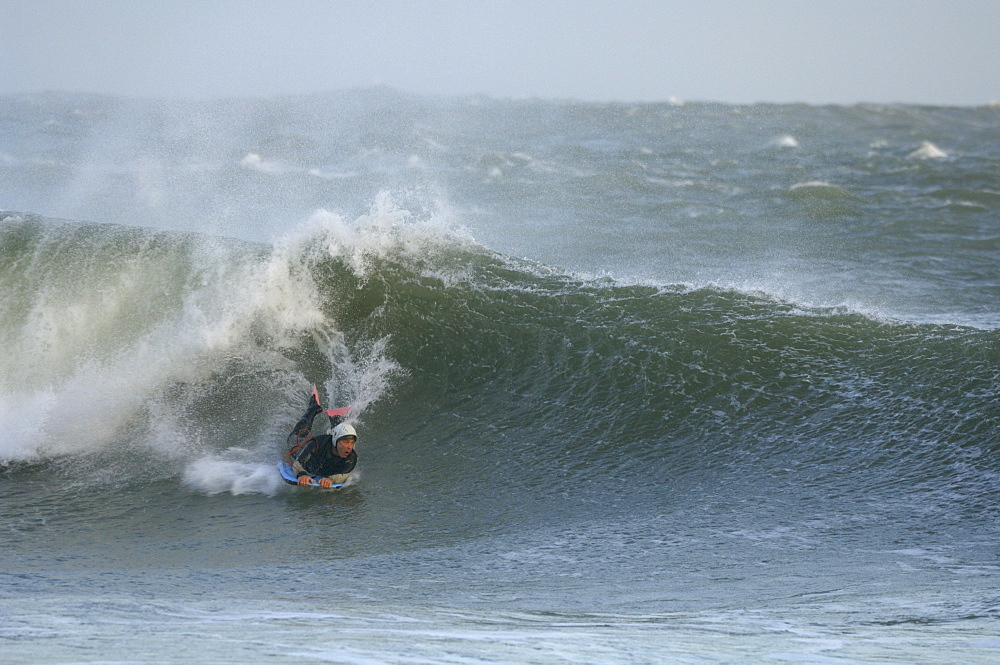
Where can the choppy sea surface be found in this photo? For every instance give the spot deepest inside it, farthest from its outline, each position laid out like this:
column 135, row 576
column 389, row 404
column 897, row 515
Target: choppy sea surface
column 634, row 383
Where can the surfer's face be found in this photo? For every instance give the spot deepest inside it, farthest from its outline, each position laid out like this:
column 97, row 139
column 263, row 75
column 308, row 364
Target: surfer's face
column 345, row 446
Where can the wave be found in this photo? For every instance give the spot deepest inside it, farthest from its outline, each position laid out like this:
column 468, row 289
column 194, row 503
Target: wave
column 171, row 355
column 928, row 150
column 119, row 337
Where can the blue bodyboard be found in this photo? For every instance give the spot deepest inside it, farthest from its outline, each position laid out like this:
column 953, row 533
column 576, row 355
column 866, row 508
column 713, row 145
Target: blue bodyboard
column 289, row 476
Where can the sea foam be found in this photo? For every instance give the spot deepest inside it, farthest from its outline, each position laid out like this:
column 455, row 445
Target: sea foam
column 216, row 475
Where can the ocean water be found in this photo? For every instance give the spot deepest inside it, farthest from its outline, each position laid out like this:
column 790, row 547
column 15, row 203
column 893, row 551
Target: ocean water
column 635, row 383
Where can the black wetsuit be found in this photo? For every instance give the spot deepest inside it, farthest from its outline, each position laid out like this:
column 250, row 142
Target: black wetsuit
column 319, row 457
column 317, row 454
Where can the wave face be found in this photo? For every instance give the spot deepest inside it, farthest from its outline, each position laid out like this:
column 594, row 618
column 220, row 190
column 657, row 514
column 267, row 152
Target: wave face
column 625, row 376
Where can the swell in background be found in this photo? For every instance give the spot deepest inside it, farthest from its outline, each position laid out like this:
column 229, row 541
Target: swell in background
column 888, row 210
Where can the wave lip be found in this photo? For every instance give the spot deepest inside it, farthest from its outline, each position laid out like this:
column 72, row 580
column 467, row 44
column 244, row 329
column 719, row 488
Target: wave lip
column 927, row 150
column 820, row 189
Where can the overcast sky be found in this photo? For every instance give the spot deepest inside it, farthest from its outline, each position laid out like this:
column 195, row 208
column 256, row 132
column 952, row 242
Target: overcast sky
column 817, row 51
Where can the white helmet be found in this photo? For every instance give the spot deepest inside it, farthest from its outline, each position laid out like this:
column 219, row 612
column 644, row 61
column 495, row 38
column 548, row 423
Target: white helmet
column 342, row 430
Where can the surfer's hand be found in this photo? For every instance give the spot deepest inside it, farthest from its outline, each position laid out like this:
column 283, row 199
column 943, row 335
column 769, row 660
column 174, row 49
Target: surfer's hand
column 304, row 481
column 325, row 483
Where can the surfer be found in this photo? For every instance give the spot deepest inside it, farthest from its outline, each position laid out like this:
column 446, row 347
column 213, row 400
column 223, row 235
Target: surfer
column 330, row 456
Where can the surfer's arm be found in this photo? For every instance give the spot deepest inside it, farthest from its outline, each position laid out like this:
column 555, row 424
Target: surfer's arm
column 303, row 477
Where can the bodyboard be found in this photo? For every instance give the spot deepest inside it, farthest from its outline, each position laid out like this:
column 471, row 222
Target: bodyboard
column 289, row 476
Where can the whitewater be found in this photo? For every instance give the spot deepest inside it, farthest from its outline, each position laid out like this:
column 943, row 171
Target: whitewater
column 634, row 383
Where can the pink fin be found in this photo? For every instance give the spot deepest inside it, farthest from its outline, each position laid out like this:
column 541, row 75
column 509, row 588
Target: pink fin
column 315, row 394
column 342, row 412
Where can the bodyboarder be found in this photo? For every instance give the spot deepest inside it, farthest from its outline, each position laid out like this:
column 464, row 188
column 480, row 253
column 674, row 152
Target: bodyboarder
column 330, row 457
